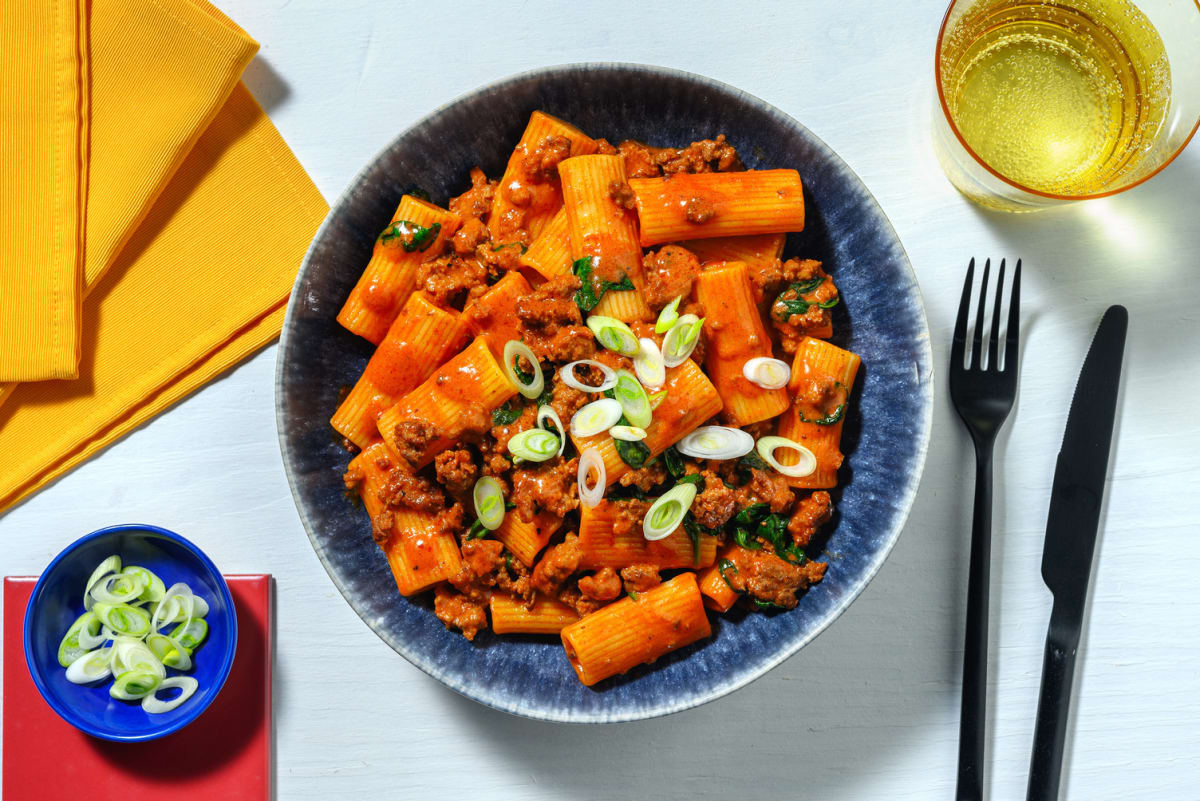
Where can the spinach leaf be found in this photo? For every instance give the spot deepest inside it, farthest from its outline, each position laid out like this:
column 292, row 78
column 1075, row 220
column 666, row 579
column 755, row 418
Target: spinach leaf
column 674, row 462
column 417, row 192
column 694, row 478
column 506, row 414
column 410, row 235
column 797, row 305
column 695, row 531
column 751, row 461
column 722, row 566
column 633, row 454
column 588, row 295
column 477, row 531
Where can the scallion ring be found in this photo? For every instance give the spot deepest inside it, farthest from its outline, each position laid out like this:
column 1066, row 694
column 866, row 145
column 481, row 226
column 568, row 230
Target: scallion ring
column 590, row 461
column 716, row 442
column 514, row 349
column 155, row 589
column 488, row 496
column 667, row 513
column 153, row 705
column 546, row 412
column 649, row 365
column 668, row 317
column 806, row 462
column 178, row 597
column 134, row 684
column 123, row 618
column 632, row 397
column 92, row 666
column 657, row 398
column 681, row 340
column 596, row 417
column 567, row 373
column 767, row 373
column 130, row 653
column 190, row 635
column 613, row 334
column 72, row 645
column 121, row 588
column 627, row 433
column 534, row 445
column 110, row 565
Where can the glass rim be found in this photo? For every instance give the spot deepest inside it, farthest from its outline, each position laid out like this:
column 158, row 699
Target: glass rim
column 937, row 75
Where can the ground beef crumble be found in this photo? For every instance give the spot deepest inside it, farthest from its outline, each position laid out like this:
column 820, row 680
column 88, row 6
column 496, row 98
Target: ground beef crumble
column 811, row 513
column 457, row 611
column 669, row 272
column 557, row 565
column 603, row 585
column 413, row 436
column 456, row 470
column 549, row 486
column 716, row 503
column 551, row 323
column 640, row 577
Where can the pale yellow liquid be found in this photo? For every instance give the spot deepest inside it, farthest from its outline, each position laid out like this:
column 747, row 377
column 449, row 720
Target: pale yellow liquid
column 1061, row 97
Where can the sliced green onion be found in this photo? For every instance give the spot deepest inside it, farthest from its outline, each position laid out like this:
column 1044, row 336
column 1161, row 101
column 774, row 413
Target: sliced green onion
column 155, row 589
column 122, row 588
column 716, row 442
column 173, row 611
column 190, row 635
column 123, row 618
column 613, row 334
column 130, row 653
column 567, row 373
column 632, row 397
column 546, row 412
column 134, row 684
column 596, row 417
column 154, row 706
column 534, row 445
column 668, row 316
column 681, row 340
column 489, row 502
column 92, row 666
column 657, row 398
column 649, row 365
column 160, row 645
column 767, row 373
column 110, row 565
column 627, row 433
column 590, row 461
column 805, row 464
column 177, row 599
column 514, row 349
column 666, row 514
column 70, row 649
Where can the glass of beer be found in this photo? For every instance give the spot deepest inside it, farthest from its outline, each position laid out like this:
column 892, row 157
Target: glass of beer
column 1045, row 101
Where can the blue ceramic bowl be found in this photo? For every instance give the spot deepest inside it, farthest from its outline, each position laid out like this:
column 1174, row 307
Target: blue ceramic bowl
column 881, row 318
column 57, row 601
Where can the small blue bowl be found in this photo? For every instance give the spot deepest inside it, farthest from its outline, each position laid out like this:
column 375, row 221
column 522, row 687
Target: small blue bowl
column 57, row 601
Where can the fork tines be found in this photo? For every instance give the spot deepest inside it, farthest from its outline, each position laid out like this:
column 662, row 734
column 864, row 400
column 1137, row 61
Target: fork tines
column 958, row 346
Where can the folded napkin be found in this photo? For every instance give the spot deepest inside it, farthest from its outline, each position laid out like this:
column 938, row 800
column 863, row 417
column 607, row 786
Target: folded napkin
column 151, row 221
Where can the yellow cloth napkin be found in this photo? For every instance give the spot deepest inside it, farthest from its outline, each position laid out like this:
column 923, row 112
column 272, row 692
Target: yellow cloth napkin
column 152, row 221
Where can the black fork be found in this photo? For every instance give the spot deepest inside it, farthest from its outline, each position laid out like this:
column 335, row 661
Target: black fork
column 982, row 396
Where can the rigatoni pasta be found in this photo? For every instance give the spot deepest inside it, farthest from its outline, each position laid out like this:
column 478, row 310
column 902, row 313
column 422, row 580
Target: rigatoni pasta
column 528, row 195
column 735, row 335
column 418, row 231
column 712, row 204
column 417, row 343
column 567, row 436
column 604, row 233
column 637, row 630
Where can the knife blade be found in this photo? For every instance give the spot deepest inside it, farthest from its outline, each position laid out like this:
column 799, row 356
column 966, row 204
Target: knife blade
column 1071, row 527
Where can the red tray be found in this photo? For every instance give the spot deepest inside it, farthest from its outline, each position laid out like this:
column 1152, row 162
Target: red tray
column 224, row 755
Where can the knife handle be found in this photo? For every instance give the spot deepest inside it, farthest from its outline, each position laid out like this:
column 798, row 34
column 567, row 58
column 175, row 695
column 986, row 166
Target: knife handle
column 1054, row 708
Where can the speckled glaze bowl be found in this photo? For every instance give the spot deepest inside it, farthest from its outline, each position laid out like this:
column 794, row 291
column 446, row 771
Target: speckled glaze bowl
column 881, row 318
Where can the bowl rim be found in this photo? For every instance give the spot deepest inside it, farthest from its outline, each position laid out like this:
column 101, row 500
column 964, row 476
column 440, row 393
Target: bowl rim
column 658, row 709
column 195, row 710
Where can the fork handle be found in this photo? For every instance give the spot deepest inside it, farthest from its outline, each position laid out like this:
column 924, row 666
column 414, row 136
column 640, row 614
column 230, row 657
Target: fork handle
column 974, row 685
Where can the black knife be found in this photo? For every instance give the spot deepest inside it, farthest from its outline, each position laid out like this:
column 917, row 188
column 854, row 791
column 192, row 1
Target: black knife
column 1071, row 540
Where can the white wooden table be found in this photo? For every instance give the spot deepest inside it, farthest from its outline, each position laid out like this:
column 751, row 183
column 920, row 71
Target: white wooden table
column 870, row 709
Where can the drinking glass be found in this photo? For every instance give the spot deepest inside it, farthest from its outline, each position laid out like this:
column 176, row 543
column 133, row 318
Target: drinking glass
column 1041, row 102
